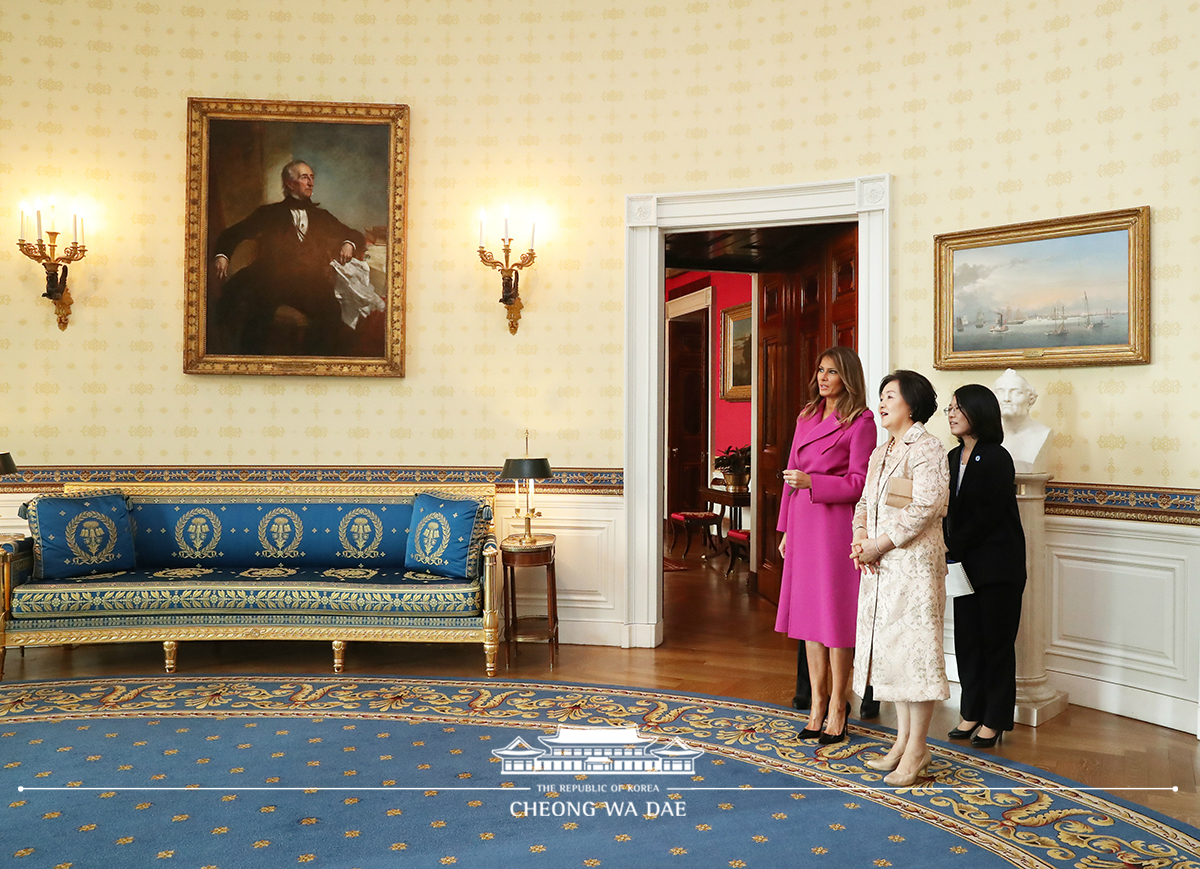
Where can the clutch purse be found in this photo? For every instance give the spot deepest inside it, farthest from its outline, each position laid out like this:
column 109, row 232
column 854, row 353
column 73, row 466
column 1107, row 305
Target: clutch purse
column 898, row 492
column 957, row 581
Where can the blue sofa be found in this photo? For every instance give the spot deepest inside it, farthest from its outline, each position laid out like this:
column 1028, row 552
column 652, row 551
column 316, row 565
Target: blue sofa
column 169, row 563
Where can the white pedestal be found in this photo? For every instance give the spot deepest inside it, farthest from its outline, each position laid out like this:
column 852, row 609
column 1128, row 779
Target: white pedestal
column 1037, row 700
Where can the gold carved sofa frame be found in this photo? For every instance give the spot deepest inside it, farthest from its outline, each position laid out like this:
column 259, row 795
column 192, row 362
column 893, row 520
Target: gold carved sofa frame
column 487, row 634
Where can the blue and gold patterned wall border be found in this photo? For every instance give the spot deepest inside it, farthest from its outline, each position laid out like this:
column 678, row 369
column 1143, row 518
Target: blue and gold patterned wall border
column 570, row 481
column 1140, row 503
column 1101, row 501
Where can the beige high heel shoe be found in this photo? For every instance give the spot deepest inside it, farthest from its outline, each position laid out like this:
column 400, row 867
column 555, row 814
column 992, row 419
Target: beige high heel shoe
column 877, row 763
column 903, row 781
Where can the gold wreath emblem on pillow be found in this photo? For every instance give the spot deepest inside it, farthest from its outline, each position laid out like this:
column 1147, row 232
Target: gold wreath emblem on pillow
column 92, row 538
column 431, row 537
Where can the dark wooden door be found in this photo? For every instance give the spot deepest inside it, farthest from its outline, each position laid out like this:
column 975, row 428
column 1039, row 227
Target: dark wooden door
column 774, row 382
column 687, row 410
column 843, row 304
column 800, row 314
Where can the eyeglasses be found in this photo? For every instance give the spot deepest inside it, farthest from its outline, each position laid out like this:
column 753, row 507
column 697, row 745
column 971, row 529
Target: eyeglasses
column 951, row 408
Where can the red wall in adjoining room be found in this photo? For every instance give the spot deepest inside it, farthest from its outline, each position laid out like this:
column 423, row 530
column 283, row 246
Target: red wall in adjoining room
column 730, row 424
column 731, row 419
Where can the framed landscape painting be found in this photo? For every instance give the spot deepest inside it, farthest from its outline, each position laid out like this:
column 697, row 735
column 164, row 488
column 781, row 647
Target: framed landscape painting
column 295, row 238
column 1060, row 292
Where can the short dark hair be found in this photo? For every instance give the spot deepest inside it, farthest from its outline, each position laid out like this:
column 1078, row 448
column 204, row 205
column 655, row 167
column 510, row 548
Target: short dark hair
column 918, row 393
column 982, row 410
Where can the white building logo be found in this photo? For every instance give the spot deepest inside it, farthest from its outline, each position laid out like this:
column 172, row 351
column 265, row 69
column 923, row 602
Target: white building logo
column 597, row 750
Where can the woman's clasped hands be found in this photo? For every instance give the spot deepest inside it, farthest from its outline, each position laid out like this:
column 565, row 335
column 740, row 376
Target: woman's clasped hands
column 865, row 552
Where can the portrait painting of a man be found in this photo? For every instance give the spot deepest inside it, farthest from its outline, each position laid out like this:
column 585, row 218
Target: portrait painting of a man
column 296, row 248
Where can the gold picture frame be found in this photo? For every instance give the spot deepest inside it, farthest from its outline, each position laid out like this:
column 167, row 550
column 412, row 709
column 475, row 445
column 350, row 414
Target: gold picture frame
column 1062, row 292
column 737, row 347
column 284, row 279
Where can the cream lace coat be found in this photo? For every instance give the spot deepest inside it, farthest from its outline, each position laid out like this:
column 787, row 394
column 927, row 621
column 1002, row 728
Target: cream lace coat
column 901, row 606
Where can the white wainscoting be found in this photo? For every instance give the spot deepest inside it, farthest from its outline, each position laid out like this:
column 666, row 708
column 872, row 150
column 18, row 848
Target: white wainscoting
column 10, row 522
column 1124, row 617
column 589, row 562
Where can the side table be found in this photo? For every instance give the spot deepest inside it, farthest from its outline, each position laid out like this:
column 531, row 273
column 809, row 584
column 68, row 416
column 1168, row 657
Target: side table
column 515, row 553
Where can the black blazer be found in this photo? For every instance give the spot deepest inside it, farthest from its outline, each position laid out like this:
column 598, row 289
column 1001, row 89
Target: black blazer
column 982, row 525
column 279, row 249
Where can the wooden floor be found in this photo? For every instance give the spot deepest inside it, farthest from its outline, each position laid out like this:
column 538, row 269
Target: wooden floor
column 719, row 639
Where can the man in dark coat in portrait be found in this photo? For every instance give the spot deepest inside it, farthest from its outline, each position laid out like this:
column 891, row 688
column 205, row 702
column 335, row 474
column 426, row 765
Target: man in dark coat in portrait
column 296, row 241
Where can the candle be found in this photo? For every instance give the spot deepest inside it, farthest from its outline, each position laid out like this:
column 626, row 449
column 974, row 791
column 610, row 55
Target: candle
column 21, row 237
column 39, row 223
column 81, row 244
column 75, row 228
column 481, row 220
column 506, row 235
column 532, row 232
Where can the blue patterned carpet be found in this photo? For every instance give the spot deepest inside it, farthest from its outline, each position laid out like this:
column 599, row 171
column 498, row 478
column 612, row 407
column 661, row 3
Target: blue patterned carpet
column 379, row 771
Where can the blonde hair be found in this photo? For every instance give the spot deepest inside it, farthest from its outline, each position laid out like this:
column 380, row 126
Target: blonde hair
column 853, row 401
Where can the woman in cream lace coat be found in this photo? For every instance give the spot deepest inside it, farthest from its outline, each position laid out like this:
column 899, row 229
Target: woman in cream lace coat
column 902, row 598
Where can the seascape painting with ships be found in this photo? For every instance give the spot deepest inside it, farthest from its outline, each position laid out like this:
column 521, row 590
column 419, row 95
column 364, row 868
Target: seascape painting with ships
column 1055, row 292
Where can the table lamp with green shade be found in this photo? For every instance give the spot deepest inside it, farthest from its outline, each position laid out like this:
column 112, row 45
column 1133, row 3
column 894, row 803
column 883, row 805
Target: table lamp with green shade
column 527, row 469
column 7, row 465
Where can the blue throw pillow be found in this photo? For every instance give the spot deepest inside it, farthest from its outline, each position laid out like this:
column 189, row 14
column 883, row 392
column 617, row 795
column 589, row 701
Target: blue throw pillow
column 78, row 535
column 441, row 535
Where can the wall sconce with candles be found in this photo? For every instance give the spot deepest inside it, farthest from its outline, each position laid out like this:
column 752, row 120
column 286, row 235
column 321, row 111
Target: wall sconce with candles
column 47, row 254
column 510, row 277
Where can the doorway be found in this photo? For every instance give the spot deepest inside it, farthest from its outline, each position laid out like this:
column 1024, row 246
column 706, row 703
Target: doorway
column 802, row 281
column 865, row 200
column 687, row 410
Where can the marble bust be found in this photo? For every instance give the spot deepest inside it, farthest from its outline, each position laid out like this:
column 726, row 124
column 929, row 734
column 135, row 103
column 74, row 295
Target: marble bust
column 1024, row 437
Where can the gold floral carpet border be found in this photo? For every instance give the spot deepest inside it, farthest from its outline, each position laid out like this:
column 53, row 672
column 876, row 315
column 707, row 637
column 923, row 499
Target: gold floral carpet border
column 347, row 772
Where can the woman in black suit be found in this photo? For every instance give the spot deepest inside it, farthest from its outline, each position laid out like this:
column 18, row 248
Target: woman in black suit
column 983, row 532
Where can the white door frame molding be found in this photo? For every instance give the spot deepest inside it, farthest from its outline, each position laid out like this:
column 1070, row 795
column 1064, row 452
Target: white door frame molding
column 648, row 217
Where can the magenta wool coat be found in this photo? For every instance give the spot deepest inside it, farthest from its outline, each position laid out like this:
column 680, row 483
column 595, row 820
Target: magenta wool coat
column 818, row 599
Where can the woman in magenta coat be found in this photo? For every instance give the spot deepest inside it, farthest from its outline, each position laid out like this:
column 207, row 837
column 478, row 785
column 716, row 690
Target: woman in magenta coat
column 818, row 600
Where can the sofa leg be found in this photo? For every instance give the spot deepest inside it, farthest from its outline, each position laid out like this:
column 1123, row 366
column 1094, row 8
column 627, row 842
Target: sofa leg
column 490, row 652
column 170, row 647
column 2, row 658
column 339, row 655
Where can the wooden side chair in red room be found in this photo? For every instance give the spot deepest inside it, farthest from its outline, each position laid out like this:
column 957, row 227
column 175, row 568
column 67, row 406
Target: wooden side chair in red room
column 739, row 547
column 687, row 520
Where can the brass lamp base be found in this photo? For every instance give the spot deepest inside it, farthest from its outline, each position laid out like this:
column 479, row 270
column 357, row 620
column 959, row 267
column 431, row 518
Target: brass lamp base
column 528, row 536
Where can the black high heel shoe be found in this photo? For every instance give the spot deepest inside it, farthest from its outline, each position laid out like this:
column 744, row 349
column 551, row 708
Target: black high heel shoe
column 987, row 741
column 811, row 733
column 958, row 733
column 831, row 738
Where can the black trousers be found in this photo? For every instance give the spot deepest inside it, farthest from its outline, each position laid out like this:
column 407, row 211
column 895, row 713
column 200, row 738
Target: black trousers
column 803, row 696
column 985, row 635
